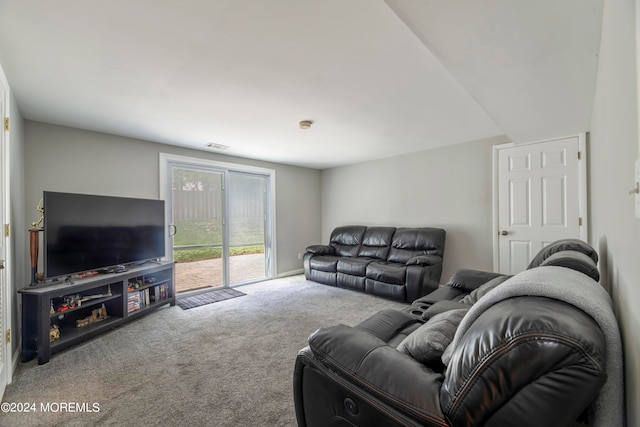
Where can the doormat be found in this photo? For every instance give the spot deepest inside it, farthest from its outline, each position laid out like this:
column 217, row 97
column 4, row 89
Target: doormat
column 190, row 301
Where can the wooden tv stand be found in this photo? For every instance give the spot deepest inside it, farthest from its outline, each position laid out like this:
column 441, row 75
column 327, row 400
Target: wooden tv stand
column 124, row 296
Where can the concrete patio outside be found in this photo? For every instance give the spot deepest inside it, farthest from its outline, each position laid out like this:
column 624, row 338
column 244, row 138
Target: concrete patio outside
column 208, row 273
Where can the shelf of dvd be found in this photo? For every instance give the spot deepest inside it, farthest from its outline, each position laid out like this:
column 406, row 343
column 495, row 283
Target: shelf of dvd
column 56, row 316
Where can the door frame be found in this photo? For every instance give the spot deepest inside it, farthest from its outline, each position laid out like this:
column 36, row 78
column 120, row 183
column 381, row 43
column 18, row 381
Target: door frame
column 582, row 189
column 6, row 311
column 270, row 231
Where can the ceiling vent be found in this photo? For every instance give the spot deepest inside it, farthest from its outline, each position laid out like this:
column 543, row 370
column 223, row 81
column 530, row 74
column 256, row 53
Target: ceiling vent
column 217, row 146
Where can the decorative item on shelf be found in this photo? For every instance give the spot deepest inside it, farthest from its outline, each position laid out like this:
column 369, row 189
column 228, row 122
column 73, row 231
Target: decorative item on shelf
column 52, row 310
column 54, row 333
column 97, row 315
column 70, row 301
column 85, row 275
column 34, row 238
column 134, row 284
column 73, row 301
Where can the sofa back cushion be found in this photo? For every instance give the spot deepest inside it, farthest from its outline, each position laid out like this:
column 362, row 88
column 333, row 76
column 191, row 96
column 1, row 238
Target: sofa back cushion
column 376, row 242
column 347, row 239
column 563, row 245
column 410, row 242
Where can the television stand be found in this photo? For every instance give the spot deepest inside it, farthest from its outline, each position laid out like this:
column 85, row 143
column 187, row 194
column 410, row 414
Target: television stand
column 57, row 316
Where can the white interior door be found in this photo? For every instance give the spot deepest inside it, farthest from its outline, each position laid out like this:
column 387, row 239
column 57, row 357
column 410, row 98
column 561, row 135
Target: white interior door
column 540, row 198
column 5, row 302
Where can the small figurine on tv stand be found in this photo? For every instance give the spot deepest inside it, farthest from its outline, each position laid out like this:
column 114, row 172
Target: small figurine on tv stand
column 54, row 333
column 97, row 315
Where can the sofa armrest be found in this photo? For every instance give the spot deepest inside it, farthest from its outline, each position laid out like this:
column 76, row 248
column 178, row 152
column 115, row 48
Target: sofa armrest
column 424, row 260
column 440, row 294
column 381, row 370
column 441, row 307
column 468, row 280
column 321, row 250
column 552, row 353
column 386, row 324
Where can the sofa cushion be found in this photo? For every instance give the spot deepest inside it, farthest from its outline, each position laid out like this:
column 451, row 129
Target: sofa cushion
column 349, row 281
column 387, row 272
column 574, row 260
column 347, row 240
column 411, row 242
column 386, row 290
column 355, row 266
column 427, row 343
column 326, row 277
column 563, row 245
column 376, row 242
column 386, row 323
column 326, row 263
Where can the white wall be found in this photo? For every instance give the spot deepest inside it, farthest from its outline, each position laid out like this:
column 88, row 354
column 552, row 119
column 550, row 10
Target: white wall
column 615, row 231
column 72, row 160
column 446, row 187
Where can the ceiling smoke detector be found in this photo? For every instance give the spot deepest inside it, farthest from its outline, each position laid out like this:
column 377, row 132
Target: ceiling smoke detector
column 305, row 124
column 216, row 146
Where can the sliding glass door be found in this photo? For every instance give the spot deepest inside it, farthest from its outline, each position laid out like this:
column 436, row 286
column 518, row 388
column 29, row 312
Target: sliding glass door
column 221, row 222
column 198, row 221
column 247, row 198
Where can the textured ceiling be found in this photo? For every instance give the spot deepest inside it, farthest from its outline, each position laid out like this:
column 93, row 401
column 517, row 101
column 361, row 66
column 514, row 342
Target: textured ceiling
column 377, row 78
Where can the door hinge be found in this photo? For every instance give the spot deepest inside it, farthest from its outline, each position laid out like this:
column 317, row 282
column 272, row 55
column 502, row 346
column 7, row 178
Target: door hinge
column 7, row 230
column 8, row 337
column 579, row 155
column 6, row 124
column 579, row 221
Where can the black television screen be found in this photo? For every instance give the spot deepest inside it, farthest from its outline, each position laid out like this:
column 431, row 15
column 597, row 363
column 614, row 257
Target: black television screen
column 89, row 232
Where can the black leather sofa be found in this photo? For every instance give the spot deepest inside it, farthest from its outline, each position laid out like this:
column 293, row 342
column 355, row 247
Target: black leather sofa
column 397, row 263
column 539, row 348
column 466, row 286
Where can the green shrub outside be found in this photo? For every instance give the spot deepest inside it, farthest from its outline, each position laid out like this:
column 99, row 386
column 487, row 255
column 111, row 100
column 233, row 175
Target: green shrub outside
column 209, row 233
column 199, row 254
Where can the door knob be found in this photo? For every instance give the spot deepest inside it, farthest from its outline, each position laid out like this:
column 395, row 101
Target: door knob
column 504, row 233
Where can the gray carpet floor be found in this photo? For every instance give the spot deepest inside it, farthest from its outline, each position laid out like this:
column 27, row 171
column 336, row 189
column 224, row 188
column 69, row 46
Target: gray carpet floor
column 223, row 364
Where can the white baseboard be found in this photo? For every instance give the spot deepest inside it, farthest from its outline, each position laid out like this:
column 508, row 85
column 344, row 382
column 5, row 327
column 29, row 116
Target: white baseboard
column 14, row 361
column 289, row 273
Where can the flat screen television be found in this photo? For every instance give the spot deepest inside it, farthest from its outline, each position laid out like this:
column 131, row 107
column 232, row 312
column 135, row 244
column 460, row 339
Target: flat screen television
column 84, row 232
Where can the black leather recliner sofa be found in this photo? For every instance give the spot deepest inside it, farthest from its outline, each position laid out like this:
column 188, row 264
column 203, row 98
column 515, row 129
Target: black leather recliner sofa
column 466, row 286
column 397, row 263
column 539, row 348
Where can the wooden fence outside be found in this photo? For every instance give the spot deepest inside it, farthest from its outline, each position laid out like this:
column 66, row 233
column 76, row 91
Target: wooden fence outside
column 207, row 205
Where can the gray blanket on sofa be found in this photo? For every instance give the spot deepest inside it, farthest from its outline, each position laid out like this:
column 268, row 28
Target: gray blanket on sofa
column 575, row 288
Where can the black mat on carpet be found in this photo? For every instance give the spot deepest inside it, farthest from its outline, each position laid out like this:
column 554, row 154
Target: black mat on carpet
column 190, row 301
